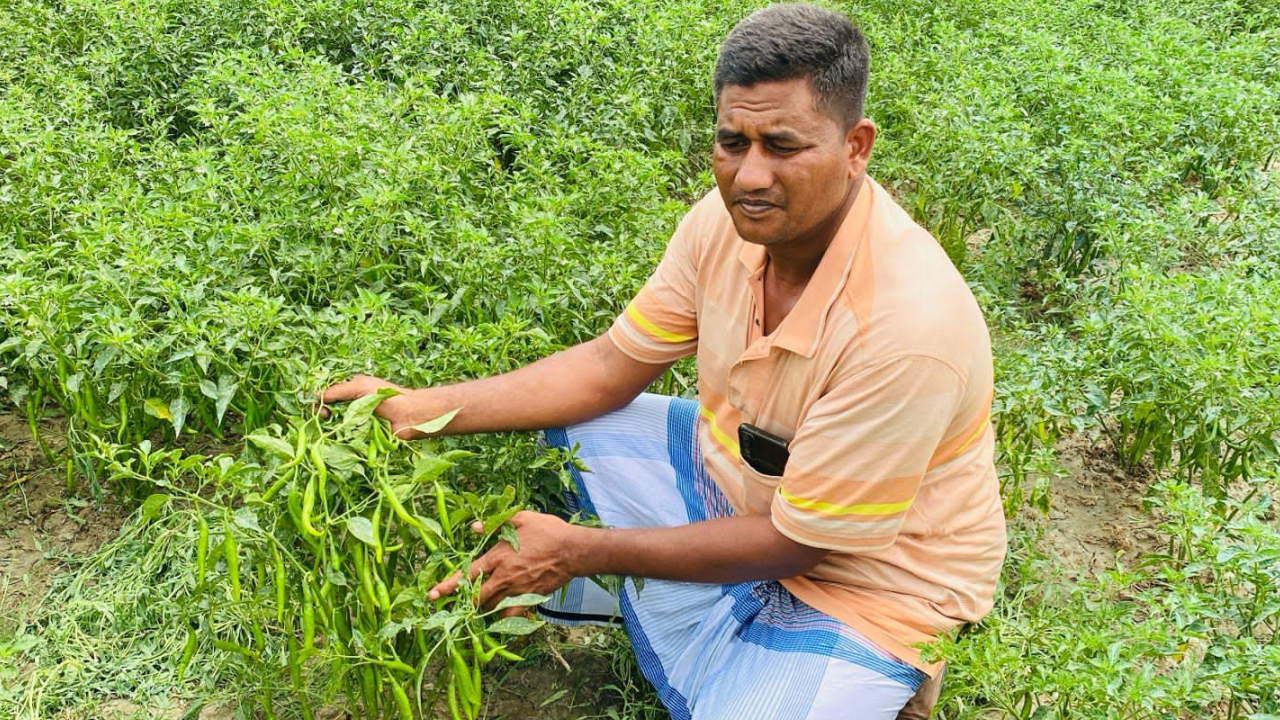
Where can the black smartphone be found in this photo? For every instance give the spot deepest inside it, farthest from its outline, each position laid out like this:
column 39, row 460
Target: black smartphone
column 765, row 452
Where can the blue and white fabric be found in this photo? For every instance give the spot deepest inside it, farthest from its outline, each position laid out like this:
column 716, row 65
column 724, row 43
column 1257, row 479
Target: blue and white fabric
column 742, row 651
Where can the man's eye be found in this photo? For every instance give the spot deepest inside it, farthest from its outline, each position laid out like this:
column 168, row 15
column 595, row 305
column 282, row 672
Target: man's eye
column 733, row 145
column 784, row 150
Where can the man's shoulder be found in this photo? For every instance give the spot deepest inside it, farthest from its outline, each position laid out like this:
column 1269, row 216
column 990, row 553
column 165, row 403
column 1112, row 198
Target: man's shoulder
column 708, row 219
column 706, row 232
column 906, row 297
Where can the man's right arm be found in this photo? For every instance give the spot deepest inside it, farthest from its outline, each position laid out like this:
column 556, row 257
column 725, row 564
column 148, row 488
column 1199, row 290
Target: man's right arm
column 569, row 387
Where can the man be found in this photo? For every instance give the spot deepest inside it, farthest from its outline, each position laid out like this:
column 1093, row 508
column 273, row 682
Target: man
column 831, row 500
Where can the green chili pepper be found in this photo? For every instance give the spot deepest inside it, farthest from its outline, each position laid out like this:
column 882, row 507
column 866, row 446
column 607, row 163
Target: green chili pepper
column 279, row 484
column 377, row 541
column 397, row 666
column 295, row 665
column 462, row 675
column 294, row 503
column 475, row 683
column 308, row 503
column 402, row 700
column 322, row 470
column 384, row 597
column 188, row 649
column 235, row 648
column 202, row 550
column 367, row 687
column 259, row 641
column 280, row 580
column 442, row 510
column 453, row 702
column 308, row 616
column 362, row 571
column 408, row 518
column 233, row 560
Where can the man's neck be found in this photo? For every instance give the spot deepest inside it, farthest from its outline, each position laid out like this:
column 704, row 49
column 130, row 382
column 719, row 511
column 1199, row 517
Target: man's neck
column 793, row 263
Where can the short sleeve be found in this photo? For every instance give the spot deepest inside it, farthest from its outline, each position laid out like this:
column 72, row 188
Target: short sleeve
column 661, row 324
column 859, row 455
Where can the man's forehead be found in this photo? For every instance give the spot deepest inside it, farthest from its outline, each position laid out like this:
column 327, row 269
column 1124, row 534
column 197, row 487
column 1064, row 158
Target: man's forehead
column 773, row 108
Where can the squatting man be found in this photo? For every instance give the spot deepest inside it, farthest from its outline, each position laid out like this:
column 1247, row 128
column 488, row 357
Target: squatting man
column 829, row 501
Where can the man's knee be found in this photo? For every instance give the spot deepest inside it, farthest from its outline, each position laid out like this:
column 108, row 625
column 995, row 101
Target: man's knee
column 921, row 705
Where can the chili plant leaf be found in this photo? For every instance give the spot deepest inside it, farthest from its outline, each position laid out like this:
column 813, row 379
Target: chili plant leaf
column 389, row 631
column 157, row 408
column 411, row 595
column 274, row 445
column 499, row 519
column 360, row 411
column 431, row 427
column 362, row 529
column 221, row 394
column 432, row 524
column 428, row 468
column 515, row 626
column 247, row 518
column 441, row 621
column 525, row 600
column 178, row 410
column 153, row 504
column 342, row 458
column 508, row 533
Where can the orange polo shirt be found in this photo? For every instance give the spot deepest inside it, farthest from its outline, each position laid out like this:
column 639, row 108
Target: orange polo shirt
column 880, row 378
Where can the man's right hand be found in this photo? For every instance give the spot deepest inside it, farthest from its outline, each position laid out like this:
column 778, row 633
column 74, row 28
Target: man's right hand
column 571, row 386
column 403, row 411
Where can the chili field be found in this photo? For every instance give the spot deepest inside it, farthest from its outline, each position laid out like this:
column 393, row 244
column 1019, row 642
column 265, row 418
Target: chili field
column 210, row 211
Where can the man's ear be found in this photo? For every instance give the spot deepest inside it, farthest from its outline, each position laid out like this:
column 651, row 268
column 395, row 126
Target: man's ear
column 858, row 141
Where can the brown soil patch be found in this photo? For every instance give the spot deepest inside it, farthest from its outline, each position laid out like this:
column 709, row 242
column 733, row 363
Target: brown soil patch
column 39, row 523
column 564, row 677
column 1096, row 521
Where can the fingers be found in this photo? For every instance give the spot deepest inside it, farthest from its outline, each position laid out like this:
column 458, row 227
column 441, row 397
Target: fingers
column 356, row 387
column 490, row 594
column 444, row 587
column 450, row 584
column 514, row 612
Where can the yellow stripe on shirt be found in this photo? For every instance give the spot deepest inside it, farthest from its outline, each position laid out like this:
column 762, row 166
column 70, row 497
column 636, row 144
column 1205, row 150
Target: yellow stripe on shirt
column 834, row 509
column 721, row 436
column 654, row 330
column 976, row 433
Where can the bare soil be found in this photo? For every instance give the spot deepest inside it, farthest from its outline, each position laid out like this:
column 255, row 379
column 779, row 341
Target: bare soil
column 1096, row 521
column 39, row 523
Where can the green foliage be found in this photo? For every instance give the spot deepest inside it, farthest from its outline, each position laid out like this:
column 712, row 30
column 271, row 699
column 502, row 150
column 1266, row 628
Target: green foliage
column 1190, row 630
column 210, row 210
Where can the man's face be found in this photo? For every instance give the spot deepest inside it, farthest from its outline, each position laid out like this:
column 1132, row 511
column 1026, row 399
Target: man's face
column 783, row 166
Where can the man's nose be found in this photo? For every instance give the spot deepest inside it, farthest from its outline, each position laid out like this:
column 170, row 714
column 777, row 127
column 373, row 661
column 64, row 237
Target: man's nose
column 755, row 172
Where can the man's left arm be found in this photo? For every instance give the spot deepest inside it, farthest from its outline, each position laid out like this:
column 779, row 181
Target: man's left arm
column 856, row 465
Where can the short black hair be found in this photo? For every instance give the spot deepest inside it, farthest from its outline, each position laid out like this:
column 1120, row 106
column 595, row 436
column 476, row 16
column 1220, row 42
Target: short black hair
column 794, row 40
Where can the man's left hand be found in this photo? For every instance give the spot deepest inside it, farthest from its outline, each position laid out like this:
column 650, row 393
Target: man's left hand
column 545, row 561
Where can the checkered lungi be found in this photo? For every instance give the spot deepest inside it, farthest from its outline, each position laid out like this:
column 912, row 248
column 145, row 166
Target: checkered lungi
column 742, row 651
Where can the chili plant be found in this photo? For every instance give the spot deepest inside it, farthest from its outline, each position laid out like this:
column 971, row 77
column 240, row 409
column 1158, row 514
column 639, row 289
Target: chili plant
column 321, row 556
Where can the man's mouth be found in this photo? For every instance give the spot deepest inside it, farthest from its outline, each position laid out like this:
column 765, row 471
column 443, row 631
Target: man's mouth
column 756, row 208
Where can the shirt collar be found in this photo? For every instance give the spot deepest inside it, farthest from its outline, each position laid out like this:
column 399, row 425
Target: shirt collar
column 802, row 328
